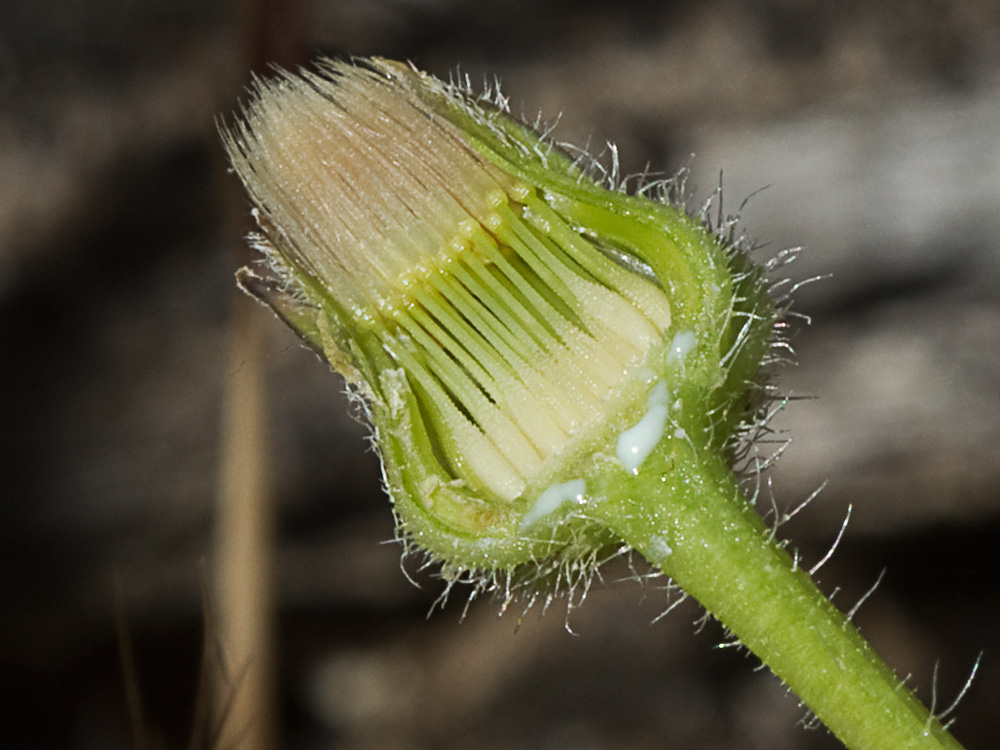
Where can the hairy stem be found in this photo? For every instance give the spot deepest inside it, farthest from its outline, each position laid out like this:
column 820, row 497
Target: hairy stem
column 716, row 547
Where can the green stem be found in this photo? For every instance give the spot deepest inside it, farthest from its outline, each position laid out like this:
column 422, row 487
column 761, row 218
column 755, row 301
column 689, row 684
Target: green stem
column 688, row 516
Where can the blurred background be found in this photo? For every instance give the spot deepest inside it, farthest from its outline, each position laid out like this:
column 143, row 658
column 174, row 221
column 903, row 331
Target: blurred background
column 148, row 410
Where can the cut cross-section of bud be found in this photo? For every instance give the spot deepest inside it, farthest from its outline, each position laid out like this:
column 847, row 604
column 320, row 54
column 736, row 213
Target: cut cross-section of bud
column 505, row 317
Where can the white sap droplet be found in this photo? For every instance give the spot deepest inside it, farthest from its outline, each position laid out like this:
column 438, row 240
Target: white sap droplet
column 659, row 396
column 554, row 496
column 637, row 442
column 659, row 548
column 680, row 345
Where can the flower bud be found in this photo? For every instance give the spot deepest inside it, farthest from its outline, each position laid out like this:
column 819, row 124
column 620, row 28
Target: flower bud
column 524, row 337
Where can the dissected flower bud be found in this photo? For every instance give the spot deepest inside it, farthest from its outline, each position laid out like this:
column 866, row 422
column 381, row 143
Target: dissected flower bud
column 522, row 335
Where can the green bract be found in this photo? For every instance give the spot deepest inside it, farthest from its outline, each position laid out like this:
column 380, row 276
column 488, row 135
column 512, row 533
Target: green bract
column 521, row 334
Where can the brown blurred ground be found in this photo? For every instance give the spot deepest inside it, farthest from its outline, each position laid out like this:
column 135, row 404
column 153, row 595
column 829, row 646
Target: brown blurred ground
column 875, row 127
